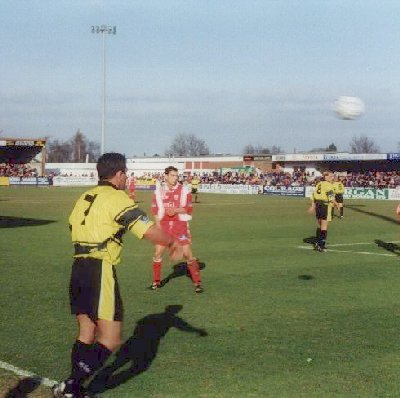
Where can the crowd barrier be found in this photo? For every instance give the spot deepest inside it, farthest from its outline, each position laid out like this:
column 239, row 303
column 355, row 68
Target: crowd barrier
column 60, row 181
column 25, row 181
column 284, row 191
column 231, row 189
column 146, row 185
column 366, row 193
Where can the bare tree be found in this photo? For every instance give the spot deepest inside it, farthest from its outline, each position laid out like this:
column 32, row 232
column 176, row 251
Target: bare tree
column 93, row 150
column 187, row 145
column 330, row 148
column 276, row 149
column 363, row 144
column 73, row 150
column 261, row 149
column 78, row 143
column 59, row 151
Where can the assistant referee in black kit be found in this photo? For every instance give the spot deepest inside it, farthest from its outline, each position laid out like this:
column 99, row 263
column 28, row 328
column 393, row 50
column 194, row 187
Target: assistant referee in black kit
column 98, row 221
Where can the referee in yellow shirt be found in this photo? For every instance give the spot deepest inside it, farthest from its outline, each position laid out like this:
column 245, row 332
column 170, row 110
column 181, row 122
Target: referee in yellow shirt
column 195, row 182
column 101, row 216
column 338, row 189
column 321, row 200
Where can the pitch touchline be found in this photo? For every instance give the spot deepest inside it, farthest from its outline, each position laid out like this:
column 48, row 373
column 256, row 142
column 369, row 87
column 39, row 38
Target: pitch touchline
column 224, row 203
column 349, row 251
column 24, row 373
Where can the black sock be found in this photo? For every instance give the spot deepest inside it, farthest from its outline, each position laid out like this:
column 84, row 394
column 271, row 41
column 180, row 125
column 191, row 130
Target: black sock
column 79, row 350
column 341, row 212
column 322, row 238
column 317, row 233
column 87, row 359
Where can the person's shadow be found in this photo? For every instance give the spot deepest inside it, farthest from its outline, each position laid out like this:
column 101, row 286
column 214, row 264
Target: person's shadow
column 389, row 246
column 179, row 270
column 24, row 387
column 141, row 348
column 15, row 222
column 311, row 240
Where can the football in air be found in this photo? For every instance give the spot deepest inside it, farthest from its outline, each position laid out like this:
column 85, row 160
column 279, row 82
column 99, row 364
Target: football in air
column 348, row 108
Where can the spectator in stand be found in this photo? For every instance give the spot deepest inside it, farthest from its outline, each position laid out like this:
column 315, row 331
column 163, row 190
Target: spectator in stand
column 11, row 169
column 297, row 178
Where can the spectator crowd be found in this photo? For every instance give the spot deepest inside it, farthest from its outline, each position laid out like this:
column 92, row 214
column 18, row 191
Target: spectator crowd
column 299, row 178
column 367, row 179
column 17, row 170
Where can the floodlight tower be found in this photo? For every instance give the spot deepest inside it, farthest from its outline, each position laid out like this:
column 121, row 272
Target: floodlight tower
column 104, row 30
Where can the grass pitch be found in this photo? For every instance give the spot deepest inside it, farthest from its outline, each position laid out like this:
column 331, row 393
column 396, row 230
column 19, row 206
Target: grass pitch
column 282, row 320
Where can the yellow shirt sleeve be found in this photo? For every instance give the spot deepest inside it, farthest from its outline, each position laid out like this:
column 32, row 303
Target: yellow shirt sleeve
column 130, row 216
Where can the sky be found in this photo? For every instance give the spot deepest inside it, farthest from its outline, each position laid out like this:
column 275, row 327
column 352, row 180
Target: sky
column 231, row 72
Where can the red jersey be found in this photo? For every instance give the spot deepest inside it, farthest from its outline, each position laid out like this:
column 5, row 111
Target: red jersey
column 131, row 184
column 177, row 196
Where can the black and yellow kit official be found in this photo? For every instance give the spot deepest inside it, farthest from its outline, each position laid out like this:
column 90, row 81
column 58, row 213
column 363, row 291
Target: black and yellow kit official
column 94, row 290
column 323, row 197
column 98, row 221
column 339, row 190
column 195, row 185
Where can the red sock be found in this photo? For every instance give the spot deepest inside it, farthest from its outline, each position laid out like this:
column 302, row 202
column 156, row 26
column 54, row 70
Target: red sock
column 194, row 270
column 157, row 264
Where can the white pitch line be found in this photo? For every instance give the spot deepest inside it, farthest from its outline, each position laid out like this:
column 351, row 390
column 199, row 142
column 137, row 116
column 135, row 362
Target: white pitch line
column 352, row 244
column 24, row 373
column 349, row 251
column 223, row 203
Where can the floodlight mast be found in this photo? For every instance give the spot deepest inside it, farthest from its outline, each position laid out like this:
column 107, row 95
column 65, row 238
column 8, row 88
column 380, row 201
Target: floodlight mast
column 104, row 30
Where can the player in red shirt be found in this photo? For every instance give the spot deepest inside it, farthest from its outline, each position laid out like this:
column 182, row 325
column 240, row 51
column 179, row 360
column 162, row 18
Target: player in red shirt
column 398, row 210
column 172, row 209
column 130, row 183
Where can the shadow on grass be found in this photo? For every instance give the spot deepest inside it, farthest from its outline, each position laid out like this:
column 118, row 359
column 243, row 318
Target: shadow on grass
column 391, row 247
column 15, row 222
column 24, row 387
column 371, row 213
column 179, row 270
column 305, row 277
column 138, row 352
column 311, row 240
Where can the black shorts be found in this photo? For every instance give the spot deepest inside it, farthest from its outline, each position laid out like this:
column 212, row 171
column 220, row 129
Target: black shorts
column 94, row 290
column 321, row 210
column 194, row 190
column 339, row 198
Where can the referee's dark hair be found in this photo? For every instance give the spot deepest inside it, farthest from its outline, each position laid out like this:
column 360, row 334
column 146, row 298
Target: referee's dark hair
column 109, row 164
column 170, row 168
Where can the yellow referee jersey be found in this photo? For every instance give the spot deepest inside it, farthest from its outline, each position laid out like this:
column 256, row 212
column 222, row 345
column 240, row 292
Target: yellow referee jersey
column 323, row 192
column 338, row 187
column 99, row 219
column 195, row 183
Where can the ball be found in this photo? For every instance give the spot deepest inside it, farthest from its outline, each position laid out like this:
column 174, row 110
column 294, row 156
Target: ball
column 348, row 108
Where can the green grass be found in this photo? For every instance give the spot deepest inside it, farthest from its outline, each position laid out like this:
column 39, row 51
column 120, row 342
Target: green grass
column 264, row 322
